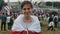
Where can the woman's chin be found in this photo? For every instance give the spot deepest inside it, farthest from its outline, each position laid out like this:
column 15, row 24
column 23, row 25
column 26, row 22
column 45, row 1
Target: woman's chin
column 27, row 15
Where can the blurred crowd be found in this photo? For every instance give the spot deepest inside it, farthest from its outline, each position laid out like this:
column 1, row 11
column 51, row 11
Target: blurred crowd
column 9, row 18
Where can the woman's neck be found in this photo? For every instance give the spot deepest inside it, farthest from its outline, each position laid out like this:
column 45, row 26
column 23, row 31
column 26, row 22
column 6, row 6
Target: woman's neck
column 27, row 17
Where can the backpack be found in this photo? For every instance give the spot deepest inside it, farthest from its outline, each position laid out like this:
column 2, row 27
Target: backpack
column 55, row 19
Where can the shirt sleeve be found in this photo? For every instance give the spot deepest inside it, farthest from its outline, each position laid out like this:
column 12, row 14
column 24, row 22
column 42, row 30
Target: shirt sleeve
column 35, row 26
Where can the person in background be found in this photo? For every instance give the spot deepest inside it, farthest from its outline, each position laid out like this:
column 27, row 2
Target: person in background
column 51, row 23
column 51, row 26
column 0, row 15
column 15, row 15
column 50, row 18
column 55, row 19
column 3, row 22
column 11, row 21
column 0, row 19
column 8, row 20
column 26, row 23
column 59, row 18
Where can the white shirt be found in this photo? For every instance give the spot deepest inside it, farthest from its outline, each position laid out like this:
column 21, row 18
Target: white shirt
column 51, row 24
column 8, row 19
column 20, row 25
column 48, row 19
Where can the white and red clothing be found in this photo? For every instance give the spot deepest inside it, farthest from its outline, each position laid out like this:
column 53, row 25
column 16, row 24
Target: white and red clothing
column 20, row 27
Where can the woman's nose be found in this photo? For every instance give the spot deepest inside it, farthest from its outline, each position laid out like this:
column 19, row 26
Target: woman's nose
column 27, row 10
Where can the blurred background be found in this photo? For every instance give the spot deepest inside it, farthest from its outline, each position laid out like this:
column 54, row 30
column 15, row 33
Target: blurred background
column 42, row 9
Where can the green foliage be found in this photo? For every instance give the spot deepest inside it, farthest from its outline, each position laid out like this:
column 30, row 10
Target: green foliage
column 2, row 3
column 55, row 4
column 42, row 6
column 49, row 3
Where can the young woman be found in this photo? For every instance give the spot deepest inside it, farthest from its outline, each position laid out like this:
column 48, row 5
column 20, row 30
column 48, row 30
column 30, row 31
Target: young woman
column 26, row 23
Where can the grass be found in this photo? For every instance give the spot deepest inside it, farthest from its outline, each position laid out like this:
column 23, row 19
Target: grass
column 44, row 29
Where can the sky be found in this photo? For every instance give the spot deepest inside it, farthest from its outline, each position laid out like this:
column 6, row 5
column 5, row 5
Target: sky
column 32, row 0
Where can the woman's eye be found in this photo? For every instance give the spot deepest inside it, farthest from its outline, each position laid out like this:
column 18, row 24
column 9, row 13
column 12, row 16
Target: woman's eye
column 28, row 8
column 24, row 9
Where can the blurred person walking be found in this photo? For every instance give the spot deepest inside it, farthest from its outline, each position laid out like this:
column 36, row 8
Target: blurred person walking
column 50, row 19
column 55, row 20
column 11, row 21
column 8, row 21
column 51, row 23
column 51, row 26
column 3, row 22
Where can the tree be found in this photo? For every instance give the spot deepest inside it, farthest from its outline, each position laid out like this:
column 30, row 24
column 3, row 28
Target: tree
column 2, row 3
column 55, row 4
column 49, row 3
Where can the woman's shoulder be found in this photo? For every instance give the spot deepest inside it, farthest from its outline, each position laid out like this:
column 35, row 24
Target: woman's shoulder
column 34, row 17
column 19, row 17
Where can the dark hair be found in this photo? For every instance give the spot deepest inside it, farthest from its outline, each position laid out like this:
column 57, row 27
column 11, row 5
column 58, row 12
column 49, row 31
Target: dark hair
column 26, row 2
column 3, row 13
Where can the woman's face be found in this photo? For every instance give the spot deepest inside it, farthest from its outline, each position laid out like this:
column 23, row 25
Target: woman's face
column 27, row 10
